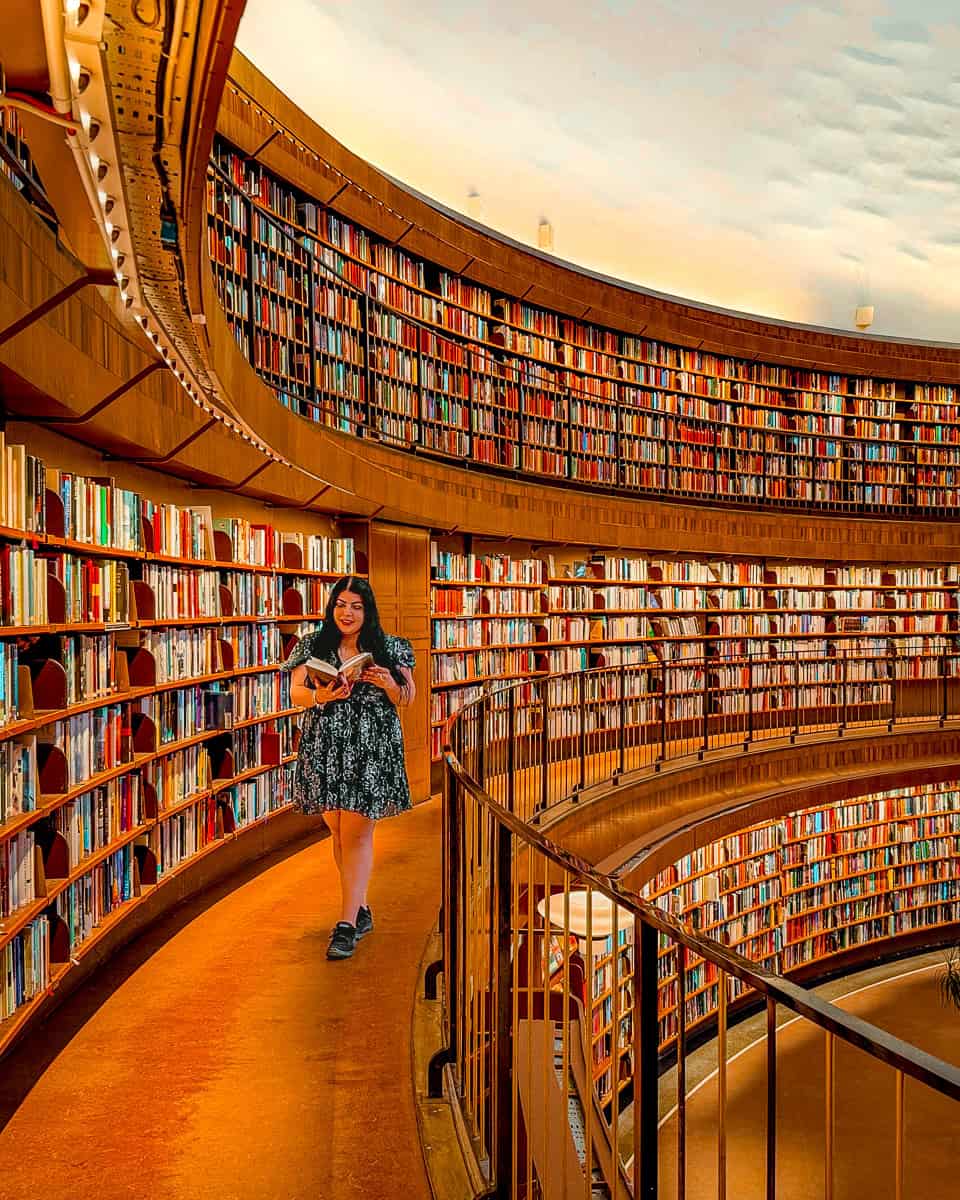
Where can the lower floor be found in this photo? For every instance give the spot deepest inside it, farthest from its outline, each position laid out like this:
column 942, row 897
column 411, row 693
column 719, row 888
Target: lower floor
column 223, row 1057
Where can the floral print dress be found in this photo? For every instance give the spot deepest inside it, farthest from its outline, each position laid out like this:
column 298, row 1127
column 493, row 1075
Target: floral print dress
column 351, row 751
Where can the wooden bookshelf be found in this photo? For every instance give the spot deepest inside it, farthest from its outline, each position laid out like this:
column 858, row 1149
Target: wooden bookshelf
column 763, row 638
column 797, row 893
column 414, row 356
column 144, row 719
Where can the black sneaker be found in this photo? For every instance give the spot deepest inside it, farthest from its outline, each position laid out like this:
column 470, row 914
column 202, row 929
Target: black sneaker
column 364, row 922
column 342, row 940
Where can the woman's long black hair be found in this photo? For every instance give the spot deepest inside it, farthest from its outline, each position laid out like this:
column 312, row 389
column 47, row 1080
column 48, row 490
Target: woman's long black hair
column 371, row 636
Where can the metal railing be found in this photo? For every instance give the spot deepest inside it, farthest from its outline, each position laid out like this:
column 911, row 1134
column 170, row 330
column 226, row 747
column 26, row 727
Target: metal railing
column 532, row 932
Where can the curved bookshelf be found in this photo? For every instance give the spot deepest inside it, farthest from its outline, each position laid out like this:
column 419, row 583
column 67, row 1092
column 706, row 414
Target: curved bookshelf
column 361, row 336
column 744, row 641
column 815, row 891
column 144, row 718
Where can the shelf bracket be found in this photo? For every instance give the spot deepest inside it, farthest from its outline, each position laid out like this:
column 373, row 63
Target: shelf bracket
column 96, row 276
column 235, row 487
column 299, row 507
column 90, row 413
column 264, row 144
column 165, row 458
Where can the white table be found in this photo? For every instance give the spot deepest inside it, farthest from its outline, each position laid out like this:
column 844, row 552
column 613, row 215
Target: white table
column 602, row 911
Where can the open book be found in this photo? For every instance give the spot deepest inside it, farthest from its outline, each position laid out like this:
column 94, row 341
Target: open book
column 324, row 673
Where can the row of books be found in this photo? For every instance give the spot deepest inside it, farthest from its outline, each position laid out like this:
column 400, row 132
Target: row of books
column 17, row 881
column 92, row 742
column 189, row 653
column 84, row 904
column 24, row 966
column 489, row 568
column 489, row 600
column 182, row 712
column 181, row 836
column 256, row 798
column 92, row 821
column 18, row 777
column 97, row 512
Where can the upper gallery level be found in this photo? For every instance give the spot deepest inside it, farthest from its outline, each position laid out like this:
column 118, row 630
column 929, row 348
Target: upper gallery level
column 625, row 410
column 371, row 310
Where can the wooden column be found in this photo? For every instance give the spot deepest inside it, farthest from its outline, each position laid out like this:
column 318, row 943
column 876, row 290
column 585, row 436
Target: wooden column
column 400, row 577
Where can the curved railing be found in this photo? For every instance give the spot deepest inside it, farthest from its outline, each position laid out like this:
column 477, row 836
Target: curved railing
column 523, row 918
column 469, row 400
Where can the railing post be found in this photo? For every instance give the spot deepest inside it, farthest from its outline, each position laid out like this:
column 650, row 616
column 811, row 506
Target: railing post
column 521, row 412
column 749, row 740
column 502, row 1082
column 582, row 736
column 943, row 676
column 468, row 406
column 796, row 698
column 481, row 711
column 417, row 390
column 645, row 1006
column 622, row 733
column 545, row 749
column 663, row 715
column 251, row 276
column 570, row 474
column 892, row 674
column 771, row 1188
column 312, row 389
column 511, row 793
column 451, row 908
column 843, row 692
column 705, row 701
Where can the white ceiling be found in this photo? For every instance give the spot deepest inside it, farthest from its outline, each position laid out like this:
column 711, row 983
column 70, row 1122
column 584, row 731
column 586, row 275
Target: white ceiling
column 787, row 159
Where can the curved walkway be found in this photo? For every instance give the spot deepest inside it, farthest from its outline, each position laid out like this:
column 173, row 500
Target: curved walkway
column 906, row 1004
column 222, row 1057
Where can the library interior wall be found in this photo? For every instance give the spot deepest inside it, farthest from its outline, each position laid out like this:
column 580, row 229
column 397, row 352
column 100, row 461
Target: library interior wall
column 428, row 495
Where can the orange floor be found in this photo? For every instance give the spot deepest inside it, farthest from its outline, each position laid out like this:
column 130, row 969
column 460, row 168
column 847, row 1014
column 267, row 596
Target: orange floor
column 907, row 1006
column 223, row 1058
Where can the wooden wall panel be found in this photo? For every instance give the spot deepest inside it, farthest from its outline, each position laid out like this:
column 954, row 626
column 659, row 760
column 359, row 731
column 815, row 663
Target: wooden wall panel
column 400, row 577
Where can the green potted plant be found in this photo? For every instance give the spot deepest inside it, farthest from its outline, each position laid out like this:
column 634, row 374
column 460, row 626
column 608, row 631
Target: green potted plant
column 950, row 978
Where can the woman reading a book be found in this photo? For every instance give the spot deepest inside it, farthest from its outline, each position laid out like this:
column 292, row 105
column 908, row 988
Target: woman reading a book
column 351, row 677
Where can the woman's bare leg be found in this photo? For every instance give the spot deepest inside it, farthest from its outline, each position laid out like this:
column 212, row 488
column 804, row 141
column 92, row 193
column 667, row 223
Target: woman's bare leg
column 356, row 841
column 332, row 821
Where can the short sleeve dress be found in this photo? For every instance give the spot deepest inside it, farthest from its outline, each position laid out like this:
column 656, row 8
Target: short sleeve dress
column 351, row 751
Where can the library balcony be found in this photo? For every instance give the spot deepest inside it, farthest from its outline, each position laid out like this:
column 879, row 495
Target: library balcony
column 576, row 996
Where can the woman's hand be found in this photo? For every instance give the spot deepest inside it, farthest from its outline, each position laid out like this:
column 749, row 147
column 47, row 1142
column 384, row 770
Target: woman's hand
column 336, row 689
column 382, row 677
